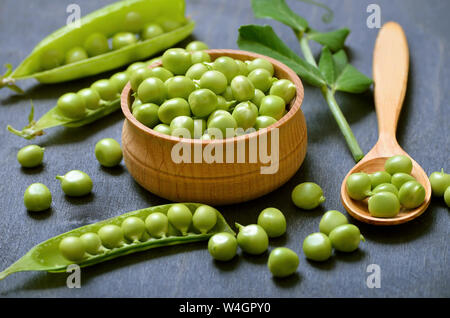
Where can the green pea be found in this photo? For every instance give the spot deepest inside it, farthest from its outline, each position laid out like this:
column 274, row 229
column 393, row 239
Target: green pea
column 204, row 218
column 214, row 81
column 173, row 108
column 96, row 44
column 307, row 195
column 179, row 86
column 259, row 63
column 71, row 105
column 157, row 224
column 257, row 99
column 330, row 220
column 151, row 30
column 133, row 21
column 346, row 238
column 264, row 122
column 161, row 73
column 200, row 57
column 138, row 76
column 399, row 163
column 91, row 98
column 261, row 79
column 221, row 126
column 243, row 69
column 358, row 185
column 252, row 239
column 106, row 89
column 133, row 228
column 447, row 196
column 75, row 183
column 147, row 114
column 136, row 103
column 72, row 248
column 199, row 127
column 245, row 114
column 135, row 66
column 399, row 178
column 152, row 90
column 440, row 181
column 272, row 106
column 223, row 104
column 180, row 217
column 164, row 129
column 202, row 102
column 119, row 80
column 285, row 89
column 242, row 88
column 386, row 187
column 91, row 242
column 228, row 94
column 227, row 66
column 283, row 262
column 37, row 198
column 411, row 194
column 196, row 46
column 182, row 126
column 111, row 236
column 177, row 61
column 108, row 152
column 216, row 113
column 379, row 177
column 75, row 54
column 272, row 221
column 170, row 25
column 51, row 58
column 196, row 71
column 222, row 246
column 317, row 247
column 384, row 205
column 30, row 156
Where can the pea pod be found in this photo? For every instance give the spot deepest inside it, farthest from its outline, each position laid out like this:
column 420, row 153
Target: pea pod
column 47, row 256
column 54, row 118
column 108, row 21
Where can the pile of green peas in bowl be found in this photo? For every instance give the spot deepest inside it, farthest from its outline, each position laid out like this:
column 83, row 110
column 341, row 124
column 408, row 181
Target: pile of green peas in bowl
column 389, row 190
column 97, row 43
column 191, row 96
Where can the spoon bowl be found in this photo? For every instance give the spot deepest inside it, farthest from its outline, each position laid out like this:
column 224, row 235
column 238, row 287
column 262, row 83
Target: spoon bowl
column 390, row 72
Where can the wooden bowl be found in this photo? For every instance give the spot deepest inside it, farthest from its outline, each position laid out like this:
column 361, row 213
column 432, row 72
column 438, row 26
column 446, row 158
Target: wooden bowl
column 147, row 153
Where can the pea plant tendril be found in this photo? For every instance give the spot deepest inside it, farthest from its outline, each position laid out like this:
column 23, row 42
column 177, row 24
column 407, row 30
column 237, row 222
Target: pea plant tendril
column 330, row 74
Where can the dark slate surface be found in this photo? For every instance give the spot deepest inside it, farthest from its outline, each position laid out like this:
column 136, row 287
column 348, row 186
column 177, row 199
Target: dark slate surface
column 413, row 257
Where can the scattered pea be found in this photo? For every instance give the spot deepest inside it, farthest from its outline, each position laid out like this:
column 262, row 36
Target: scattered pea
column 108, row 152
column 307, row 195
column 346, row 238
column 440, row 181
column 222, row 246
column 330, row 220
column 283, row 262
column 30, row 156
column 37, row 198
column 272, row 221
column 252, row 239
column 317, row 247
column 75, row 183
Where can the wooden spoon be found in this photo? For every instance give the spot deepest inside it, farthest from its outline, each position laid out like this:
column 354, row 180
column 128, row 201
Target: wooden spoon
column 390, row 73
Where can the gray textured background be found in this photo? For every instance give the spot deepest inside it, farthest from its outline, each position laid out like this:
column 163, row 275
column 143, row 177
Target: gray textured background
column 413, row 257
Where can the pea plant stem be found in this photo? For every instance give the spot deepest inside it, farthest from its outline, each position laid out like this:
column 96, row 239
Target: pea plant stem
column 352, row 143
column 328, row 94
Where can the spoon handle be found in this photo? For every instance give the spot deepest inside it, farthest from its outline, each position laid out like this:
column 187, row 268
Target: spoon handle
column 390, row 73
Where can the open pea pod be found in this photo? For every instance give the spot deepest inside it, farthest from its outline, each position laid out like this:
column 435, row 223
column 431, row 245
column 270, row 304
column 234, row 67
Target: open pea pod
column 47, row 256
column 108, row 21
column 53, row 118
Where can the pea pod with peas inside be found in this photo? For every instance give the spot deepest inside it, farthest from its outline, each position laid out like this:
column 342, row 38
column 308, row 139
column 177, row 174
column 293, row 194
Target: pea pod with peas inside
column 98, row 101
column 85, row 49
column 122, row 235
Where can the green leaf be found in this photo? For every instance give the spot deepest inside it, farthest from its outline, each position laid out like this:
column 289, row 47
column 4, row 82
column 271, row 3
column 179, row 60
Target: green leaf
column 326, row 65
column 334, row 40
column 327, row 17
column 352, row 81
column 340, row 62
column 280, row 11
column 263, row 40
